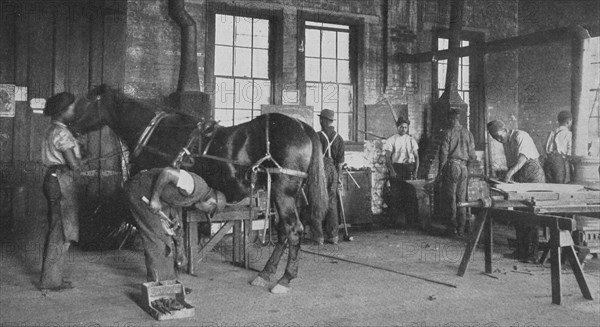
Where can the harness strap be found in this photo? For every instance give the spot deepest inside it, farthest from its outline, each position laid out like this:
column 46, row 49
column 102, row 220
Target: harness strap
column 143, row 140
column 329, row 144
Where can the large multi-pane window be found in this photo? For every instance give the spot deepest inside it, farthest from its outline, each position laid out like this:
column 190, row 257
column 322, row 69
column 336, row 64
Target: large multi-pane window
column 463, row 75
column 327, row 73
column 241, row 68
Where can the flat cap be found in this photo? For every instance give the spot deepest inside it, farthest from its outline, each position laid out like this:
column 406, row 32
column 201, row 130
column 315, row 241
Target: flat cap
column 495, row 125
column 58, row 103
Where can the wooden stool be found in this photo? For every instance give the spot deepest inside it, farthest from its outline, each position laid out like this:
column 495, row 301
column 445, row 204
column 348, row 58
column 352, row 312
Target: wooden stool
column 238, row 217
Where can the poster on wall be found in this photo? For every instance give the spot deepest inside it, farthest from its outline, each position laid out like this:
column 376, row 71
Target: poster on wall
column 7, row 100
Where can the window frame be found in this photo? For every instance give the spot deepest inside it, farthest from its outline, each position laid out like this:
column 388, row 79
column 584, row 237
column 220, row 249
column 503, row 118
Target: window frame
column 476, row 83
column 275, row 52
column 356, row 41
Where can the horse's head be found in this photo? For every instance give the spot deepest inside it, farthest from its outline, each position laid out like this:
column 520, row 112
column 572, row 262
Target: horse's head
column 92, row 111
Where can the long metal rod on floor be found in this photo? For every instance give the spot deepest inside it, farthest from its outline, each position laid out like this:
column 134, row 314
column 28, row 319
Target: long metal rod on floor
column 381, row 268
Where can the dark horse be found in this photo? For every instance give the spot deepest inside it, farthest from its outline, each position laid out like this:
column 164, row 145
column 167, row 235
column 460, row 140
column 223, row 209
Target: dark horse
column 294, row 145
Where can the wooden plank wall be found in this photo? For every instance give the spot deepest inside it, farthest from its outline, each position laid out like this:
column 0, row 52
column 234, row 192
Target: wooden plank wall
column 49, row 47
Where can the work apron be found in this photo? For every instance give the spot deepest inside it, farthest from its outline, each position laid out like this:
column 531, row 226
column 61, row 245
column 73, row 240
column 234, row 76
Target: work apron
column 60, row 186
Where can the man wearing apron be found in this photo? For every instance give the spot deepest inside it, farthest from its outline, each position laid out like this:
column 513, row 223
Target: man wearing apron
column 457, row 148
column 333, row 157
column 166, row 191
column 522, row 159
column 402, row 162
column 61, row 155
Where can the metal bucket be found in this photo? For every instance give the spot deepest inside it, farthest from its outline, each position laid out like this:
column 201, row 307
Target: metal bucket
column 586, row 170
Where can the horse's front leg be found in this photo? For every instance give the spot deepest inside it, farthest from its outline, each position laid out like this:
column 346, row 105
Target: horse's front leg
column 270, row 268
column 294, row 230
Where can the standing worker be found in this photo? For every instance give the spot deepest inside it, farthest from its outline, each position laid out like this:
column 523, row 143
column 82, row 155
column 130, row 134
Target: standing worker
column 61, row 155
column 558, row 150
column 522, row 159
column 402, row 161
column 333, row 157
column 458, row 147
column 167, row 190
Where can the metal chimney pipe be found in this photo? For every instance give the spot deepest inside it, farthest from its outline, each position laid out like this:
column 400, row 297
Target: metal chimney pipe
column 188, row 71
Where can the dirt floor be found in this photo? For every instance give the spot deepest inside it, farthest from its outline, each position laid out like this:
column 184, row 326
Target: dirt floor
column 328, row 291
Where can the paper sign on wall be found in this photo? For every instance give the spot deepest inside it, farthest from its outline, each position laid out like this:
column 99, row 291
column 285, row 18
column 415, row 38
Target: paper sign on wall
column 20, row 93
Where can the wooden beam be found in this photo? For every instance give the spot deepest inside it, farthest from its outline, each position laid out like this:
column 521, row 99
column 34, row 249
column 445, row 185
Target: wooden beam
column 533, row 39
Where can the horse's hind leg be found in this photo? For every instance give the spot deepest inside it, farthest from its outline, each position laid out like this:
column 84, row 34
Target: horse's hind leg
column 293, row 228
column 271, row 267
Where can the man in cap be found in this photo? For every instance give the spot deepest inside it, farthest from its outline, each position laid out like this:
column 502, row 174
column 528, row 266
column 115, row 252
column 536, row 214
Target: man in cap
column 522, row 159
column 156, row 197
column 402, row 161
column 61, row 156
column 558, row 150
column 458, row 147
column 333, row 157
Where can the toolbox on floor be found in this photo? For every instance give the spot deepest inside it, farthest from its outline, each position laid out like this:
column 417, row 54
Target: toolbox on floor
column 165, row 300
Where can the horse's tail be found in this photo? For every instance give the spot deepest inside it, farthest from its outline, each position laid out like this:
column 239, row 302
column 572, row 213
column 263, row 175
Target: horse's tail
column 317, row 187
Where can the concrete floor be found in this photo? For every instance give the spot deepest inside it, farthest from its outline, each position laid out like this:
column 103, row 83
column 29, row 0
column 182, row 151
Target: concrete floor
column 328, row 292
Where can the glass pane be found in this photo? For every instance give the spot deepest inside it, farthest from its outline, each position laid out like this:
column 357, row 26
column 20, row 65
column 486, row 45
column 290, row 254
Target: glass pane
column 225, row 92
column 343, row 71
column 244, row 93
column 313, row 96
column 261, row 33
column 243, row 31
column 442, row 74
column 346, row 98
column 260, row 63
column 464, row 77
column 223, row 60
column 312, row 69
column 312, row 43
column 344, row 122
column 330, row 96
column 464, row 43
column 343, row 45
column 224, row 29
column 262, row 94
column 243, row 62
column 442, row 44
column 224, row 116
column 464, row 61
column 329, row 44
column 242, row 116
column 464, row 96
column 329, row 68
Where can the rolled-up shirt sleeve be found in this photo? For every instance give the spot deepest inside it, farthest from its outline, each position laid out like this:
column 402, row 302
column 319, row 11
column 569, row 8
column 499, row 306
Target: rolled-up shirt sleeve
column 64, row 140
column 526, row 147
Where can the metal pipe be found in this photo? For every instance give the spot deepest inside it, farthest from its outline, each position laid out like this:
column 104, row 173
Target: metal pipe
column 188, row 71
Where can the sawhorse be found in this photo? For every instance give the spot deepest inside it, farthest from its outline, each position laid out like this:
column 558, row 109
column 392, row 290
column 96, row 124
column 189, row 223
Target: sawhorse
column 560, row 238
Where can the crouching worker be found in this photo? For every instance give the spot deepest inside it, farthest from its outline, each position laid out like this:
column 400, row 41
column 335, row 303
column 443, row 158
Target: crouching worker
column 167, row 190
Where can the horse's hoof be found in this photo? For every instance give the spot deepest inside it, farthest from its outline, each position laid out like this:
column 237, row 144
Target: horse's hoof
column 259, row 281
column 279, row 289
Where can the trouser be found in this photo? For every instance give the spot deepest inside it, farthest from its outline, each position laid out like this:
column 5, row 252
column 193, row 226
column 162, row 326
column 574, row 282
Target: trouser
column 527, row 235
column 331, row 222
column 557, row 169
column 57, row 244
column 402, row 198
column 453, row 190
column 159, row 248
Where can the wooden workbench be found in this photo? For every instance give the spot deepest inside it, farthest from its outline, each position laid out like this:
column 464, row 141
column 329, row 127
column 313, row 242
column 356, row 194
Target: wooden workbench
column 537, row 206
